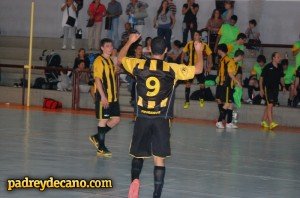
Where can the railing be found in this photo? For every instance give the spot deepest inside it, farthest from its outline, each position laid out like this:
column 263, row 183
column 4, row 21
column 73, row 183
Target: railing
column 75, row 83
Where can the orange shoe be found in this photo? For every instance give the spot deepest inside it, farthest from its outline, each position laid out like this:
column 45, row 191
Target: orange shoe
column 134, row 189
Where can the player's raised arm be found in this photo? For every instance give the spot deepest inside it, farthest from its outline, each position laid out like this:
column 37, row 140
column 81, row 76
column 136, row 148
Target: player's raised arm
column 132, row 39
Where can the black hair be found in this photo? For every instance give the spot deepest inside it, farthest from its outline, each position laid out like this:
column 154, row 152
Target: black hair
column 285, row 62
column 241, row 36
column 234, row 18
column 158, row 46
column 253, row 21
column 239, row 53
column 161, row 8
column 104, row 41
column 223, row 48
column 273, row 55
column 261, row 58
column 213, row 14
column 177, row 43
column 146, row 40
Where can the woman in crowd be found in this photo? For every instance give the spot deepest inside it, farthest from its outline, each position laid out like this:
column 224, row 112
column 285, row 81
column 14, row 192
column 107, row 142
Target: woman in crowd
column 164, row 22
column 147, row 48
column 96, row 13
column 229, row 11
column 81, row 57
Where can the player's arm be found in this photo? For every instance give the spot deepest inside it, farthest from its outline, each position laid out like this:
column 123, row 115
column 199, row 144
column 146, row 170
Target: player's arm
column 132, row 38
column 261, row 87
column 98, row 75
column 282, row 84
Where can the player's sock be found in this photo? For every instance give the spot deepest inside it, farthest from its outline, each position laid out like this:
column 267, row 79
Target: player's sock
column 187, row 94
column 222, row 114
column 229, row 115
column 136, row 168
column 159, row 175
column 101, row 136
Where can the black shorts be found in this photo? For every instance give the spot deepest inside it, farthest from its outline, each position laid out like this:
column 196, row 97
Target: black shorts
column 224, row 94
column 151, row 137
column 271, row 96
column 112, row 111
column 200, row 78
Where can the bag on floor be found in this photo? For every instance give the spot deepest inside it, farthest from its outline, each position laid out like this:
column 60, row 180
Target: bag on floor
column 50, row 103
column 208, row 96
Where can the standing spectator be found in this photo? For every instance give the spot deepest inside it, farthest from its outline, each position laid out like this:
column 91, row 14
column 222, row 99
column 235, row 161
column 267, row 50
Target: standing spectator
column 81, row 57
column 126, row 33
column 270, row 79
column 69, row 9
column 172, row 7
column 147, row 48
column 296, row 52
column 229, row 6
column 96, row 13
column 164, row 22
column 189, row 10
column 114, row 11
column 228, row 32
column 137, row 12
column 213, row 25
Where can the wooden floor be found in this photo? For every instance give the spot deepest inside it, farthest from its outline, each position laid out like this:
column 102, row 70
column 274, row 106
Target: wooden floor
column 205, row 162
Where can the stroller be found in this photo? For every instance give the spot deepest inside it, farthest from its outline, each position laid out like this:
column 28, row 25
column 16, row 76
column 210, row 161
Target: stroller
column 53, row 60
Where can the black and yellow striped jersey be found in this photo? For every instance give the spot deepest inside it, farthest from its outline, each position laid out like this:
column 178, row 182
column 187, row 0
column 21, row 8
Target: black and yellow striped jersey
column 104, row 69
column 227, row 65
column 190, row 50
column 155, row 85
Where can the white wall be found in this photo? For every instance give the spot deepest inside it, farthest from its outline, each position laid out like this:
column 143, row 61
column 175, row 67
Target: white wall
column 278, row 20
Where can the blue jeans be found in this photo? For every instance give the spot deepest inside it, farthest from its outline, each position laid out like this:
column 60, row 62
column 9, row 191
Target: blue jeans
column 114, row 33
column 166, row 34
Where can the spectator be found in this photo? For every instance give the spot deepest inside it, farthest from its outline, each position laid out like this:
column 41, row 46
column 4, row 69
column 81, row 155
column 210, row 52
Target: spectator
column 69, row 22
column 137, row 12
column 114, row 11
column 296, row 52
column 81, row 57
column 126, row 33
column 253, row 35
column 239, row 44
column 229, row 9
column 289, row 79
column 96, row 13
column 174, row 55
column 147, row 48
column 228, row 32
column 255, row 76
column 164, row 22
column 270, row 79
column 189, row 10
column 297, row 88
column 83, row 77
column 172, row 7
column 213, row 25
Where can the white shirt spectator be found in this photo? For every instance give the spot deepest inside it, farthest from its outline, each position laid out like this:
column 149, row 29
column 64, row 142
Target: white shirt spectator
column 72, row 13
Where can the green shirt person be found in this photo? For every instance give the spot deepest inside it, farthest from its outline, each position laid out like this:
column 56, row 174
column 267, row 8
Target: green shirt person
column 296, row 53
column 238, row 44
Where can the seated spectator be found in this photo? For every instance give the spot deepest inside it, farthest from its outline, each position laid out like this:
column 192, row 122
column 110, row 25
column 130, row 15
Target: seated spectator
column 253, row 36
column 256, row 70
column 238, row 44
column 289, row 79
column 126, row 33
column 228, row 32
column 83, row 78
column 81, row 57
column 147, row 48
column 229, row 11
column 174, row 55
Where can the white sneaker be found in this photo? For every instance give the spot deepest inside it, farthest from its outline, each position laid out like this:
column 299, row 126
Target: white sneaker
column 220, row 125
column 73, row 47
column 64, row 47
column 249, row 101
column 231, row 126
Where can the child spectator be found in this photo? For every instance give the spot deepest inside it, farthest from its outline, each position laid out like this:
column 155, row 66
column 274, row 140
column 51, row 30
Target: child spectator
column 174, row 55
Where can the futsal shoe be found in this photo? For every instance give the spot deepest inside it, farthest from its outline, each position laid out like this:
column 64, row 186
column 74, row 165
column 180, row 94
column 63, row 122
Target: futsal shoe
column 220, row 125
column 264, row 124
column 186, row 105
column 103, row 152
column 94, row 141
column 231, row 126
column 273, row 125
column 134, row 189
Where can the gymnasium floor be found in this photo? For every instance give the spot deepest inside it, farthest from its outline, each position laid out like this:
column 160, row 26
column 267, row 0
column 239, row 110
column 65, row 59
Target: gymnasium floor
column 205, row 162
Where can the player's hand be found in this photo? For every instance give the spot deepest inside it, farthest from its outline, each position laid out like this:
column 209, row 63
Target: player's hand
column 198, row 46
column 133, row 38
column 261, row 93
column 104, row 102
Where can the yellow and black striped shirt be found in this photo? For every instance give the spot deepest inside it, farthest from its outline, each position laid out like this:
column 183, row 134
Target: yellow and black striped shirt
column 190, row 50
column 155, row 85
column 226, row 66
column 104, row 69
